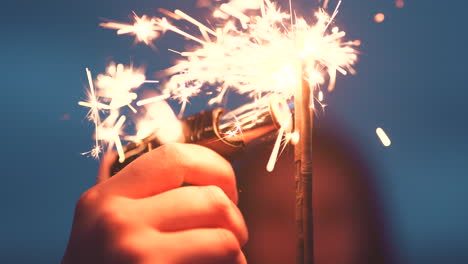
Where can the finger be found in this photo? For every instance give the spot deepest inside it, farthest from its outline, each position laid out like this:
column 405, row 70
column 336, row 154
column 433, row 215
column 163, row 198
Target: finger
column 193, row 207
column 210, row 246
column 106, row 163
column 167, row 167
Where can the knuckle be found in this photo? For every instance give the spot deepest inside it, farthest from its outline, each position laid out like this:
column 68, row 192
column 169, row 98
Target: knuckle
column 111, row 218
column 171, row 150
column 227, row 213
column 228, row 243
column 174, row 153
column 87, row 200
column 218, row 201
column 128, row 250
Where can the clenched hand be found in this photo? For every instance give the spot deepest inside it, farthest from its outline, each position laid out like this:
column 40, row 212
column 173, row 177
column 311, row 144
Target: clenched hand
column 144, row 215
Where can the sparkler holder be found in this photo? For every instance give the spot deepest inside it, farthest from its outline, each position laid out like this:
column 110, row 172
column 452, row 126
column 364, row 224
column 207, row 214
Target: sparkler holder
column 201, row 129
column 211, row 129
column 303, row 175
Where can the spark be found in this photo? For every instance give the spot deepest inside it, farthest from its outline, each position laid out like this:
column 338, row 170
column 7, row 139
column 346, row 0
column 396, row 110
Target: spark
column 117, row 84
column 96, row 105
column 94, row 152
column 383, row 137
column 144, row 29
column 274, row 154
column 118, row 143
column 320, row 96
column 294, row 137
column 153, row 99
column 325, row 3
column 203, row 29
column 399, row 3
column 184, row 92
column 379, row 17
column 235, row 13
column 93, row 113
column 167, row 26
column 114, row 92
column 65, row 117
column 236, row 130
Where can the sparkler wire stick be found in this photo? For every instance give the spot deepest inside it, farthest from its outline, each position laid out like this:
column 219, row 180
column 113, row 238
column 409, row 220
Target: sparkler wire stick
column 303, row 159
column 297, row 177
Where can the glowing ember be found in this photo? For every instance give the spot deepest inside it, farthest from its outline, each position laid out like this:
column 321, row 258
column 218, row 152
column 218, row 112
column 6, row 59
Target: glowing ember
column 383, row 137
column 65, row 117
column 379, row 17
column 294, row 138
column 400, row 3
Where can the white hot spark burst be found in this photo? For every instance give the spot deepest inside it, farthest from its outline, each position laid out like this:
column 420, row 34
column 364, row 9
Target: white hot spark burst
column 266, row 53
column 144, row 29
column 108, row 94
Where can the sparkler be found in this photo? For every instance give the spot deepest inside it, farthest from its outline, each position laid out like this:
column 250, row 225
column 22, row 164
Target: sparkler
column 266, row 55
column 270, row 53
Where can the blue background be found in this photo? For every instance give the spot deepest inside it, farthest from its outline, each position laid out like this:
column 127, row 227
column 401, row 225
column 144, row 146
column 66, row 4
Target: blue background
column 411, row 81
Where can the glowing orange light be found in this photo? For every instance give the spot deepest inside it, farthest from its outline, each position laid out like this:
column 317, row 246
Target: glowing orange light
column 400, row 3
column 65, row 117
column 379, row 17
column 294, row 137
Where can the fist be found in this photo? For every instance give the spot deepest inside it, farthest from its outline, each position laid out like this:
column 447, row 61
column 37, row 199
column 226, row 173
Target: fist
column 144, row 215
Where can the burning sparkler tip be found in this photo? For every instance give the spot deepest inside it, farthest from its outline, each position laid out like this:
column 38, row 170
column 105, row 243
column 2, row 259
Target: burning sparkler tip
column 235, row 54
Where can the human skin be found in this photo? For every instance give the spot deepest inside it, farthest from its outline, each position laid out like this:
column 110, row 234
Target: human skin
column 139, row 214
column 143, row 214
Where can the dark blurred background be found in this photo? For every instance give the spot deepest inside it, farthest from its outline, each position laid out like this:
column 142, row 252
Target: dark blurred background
column 411, row 81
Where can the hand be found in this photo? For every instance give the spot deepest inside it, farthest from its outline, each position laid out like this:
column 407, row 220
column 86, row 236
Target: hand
column 143, row 215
